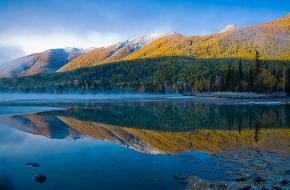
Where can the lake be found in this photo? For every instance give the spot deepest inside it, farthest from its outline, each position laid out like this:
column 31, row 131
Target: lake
column 134, row 141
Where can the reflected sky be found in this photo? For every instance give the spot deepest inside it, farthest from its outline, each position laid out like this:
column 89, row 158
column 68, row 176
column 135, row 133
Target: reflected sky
column 88, row 164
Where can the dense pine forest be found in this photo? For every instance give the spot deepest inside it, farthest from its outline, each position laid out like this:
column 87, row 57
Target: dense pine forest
column 163, row 74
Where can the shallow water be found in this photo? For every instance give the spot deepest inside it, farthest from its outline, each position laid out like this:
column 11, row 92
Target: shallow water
column 133, row 142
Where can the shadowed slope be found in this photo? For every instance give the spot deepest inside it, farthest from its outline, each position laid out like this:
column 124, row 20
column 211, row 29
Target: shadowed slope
column 39, row 63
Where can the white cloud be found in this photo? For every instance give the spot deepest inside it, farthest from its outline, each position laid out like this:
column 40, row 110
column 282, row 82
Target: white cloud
column 9, row 52
column 32, row 43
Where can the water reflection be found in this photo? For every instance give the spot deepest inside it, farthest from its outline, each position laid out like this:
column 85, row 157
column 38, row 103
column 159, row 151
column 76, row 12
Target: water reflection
column 165, row 127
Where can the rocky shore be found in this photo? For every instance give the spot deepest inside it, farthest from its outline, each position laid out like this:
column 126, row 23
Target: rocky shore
column 237, row 95
column 257, row 170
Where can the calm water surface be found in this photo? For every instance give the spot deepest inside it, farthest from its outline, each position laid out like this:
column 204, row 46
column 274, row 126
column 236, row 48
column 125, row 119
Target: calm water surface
column 130, row 143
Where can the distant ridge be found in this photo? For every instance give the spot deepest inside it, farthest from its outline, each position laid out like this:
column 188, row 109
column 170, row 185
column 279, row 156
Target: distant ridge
column 45, row 62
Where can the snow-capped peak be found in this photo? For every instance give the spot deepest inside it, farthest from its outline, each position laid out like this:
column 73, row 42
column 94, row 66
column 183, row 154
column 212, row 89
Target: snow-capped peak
column 227, row 28
column 72, row 49
column 141, row 41
column 86, row 50
column 138, row 42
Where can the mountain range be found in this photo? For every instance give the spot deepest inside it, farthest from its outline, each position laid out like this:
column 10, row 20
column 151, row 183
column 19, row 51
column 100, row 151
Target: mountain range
column 271, row 39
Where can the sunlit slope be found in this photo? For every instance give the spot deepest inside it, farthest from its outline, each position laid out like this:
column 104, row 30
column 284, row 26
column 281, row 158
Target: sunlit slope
column 89, row 59
column 112, row 53
column 271, row 39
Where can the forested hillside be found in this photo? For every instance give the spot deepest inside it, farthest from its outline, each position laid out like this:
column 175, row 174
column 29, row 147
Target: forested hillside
column 164, row 74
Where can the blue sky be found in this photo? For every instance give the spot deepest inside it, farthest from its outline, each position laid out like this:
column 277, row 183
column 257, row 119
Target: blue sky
column 29, row 26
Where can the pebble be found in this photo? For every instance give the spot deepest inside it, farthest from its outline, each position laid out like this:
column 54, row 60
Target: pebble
column 39, row 178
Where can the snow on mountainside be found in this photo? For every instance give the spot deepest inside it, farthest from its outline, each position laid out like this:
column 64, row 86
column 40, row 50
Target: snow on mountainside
column 228, row 28
column 141, row 41
column 127, row 47
column 138, row 42
column 73, row 52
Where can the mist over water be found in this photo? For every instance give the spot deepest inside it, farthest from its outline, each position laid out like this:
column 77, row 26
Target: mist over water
column 99, row 96
column 123, row 96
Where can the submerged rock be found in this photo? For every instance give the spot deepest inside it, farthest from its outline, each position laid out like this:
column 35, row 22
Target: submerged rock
column 219, row 185
column 276, row 188
column 179, row 176
column 246, row 188
column 196, row 183
column 39, row 178
column 242, row 179
column 32, row 164
column 284, row 182
column 259, row 180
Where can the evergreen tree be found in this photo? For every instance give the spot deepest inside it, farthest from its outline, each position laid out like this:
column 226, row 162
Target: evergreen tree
column 257, row 131
column 258, row 63
column 287, row 82
column 258, row 69
column 240, row 76
column 221, row 84
column 211, row 82
column 251, row 79
column 228, row 77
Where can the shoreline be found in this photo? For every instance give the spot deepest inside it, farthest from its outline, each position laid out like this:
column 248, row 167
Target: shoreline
column 237, row 95
column 204, row 98
column 257, row 169
column 218, row 94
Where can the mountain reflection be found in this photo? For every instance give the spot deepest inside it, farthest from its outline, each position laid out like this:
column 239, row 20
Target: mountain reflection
column 165, row 127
